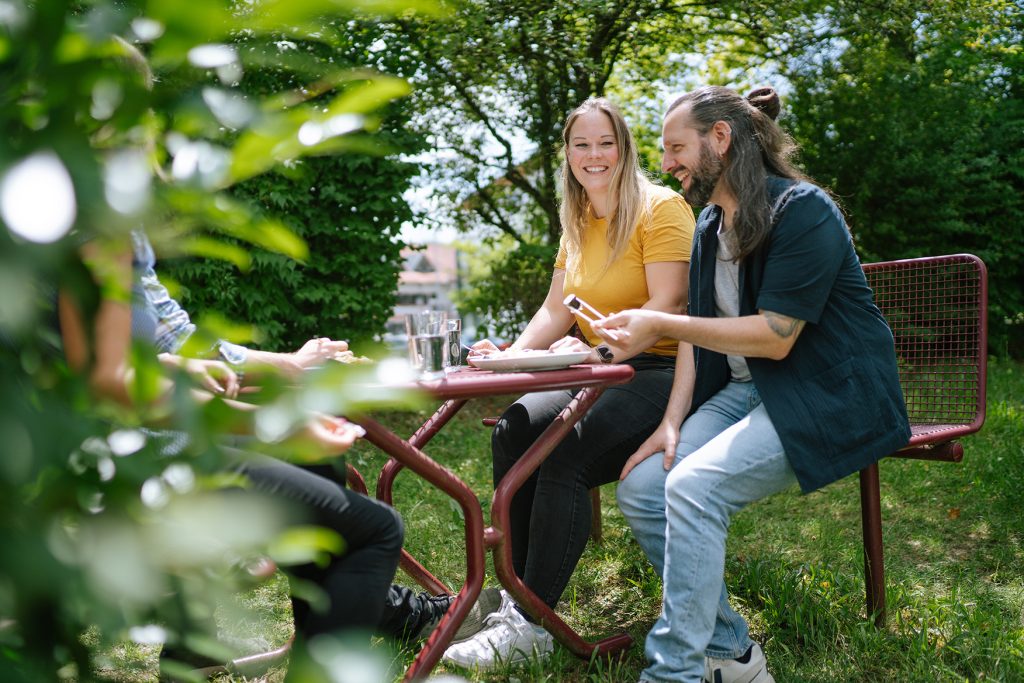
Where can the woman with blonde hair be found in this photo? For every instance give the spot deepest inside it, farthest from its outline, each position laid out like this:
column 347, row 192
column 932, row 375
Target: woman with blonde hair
column 625, row 243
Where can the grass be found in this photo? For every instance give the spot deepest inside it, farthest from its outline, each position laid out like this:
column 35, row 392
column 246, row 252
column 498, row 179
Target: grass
column 954, row 554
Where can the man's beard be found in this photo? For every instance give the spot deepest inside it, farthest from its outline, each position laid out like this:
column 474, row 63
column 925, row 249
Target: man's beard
column 704, row 178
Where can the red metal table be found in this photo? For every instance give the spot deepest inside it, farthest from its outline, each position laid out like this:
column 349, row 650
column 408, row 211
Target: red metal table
column 455, row 391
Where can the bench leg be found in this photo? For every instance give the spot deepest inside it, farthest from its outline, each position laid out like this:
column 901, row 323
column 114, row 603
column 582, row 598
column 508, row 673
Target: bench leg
column 595, row 515
column 871, row 521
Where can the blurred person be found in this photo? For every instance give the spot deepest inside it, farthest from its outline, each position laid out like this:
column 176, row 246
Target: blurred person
column 625, row 243
column 358, row 582
column 792, row 378
column 174, row 327
column 407, row 616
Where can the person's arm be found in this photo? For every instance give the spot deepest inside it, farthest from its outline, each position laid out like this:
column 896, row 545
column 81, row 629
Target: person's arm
column 111, row 373
column 764, row 335
column 549, row 324
column 665, row 437
column 312, row 354
column 551, row 321
column 667, row 283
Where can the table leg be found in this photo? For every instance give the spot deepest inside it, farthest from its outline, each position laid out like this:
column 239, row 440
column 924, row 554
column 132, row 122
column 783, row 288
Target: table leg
column 385, row 483
column 502, row 549
column 445, row 480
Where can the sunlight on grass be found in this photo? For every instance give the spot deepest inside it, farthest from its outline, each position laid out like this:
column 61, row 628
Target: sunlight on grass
column 955, row 588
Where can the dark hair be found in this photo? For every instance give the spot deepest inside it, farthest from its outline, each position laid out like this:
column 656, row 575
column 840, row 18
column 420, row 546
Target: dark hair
column 757, row 147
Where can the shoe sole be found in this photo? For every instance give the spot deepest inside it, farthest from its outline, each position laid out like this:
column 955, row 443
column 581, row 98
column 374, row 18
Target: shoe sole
column 514, row 658
column 762, row 676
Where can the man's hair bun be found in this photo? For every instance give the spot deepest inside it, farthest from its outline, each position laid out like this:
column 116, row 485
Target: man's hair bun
column 766, row 99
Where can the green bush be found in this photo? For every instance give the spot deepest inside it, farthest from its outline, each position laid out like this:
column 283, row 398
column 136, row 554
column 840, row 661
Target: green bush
column 348, row 209
column 506, row 287
column 918, row 126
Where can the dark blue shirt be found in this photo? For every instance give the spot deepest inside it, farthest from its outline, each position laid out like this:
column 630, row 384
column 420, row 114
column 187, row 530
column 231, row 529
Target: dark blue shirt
column 835, row 400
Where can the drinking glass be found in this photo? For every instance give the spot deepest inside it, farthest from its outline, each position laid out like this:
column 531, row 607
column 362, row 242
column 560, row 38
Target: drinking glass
column 428, row 334
column 454, row 340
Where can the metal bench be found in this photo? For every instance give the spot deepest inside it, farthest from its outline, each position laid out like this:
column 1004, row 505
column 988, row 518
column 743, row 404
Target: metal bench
column 937, row 308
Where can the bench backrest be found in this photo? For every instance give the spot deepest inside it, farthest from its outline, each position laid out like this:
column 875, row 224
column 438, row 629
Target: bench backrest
column 937, row 308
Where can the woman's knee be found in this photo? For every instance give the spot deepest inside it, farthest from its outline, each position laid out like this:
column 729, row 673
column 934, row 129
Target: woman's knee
column 511, row 434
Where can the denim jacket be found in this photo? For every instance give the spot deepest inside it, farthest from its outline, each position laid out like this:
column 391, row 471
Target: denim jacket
column 835, row 400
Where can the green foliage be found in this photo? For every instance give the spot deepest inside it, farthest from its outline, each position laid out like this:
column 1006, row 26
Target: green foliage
column 348, row 209
column 498, row 80
column 345, row 289
column 917, row 123
column 507, row 285
column 100, row 520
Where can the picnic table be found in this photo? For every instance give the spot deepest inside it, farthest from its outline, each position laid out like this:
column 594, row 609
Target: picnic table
column 454, row 391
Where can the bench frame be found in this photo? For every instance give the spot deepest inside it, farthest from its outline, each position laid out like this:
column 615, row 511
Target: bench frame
column 937, row 308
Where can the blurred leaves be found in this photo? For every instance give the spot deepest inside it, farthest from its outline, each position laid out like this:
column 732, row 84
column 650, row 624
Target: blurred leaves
column 138, row 102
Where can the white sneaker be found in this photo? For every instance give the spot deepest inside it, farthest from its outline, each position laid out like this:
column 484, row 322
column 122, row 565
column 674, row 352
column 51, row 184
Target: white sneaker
column 754, row 670
column 506, row 637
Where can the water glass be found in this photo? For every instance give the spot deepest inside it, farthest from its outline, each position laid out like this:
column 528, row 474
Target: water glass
column 454, row 359
column 428, row 334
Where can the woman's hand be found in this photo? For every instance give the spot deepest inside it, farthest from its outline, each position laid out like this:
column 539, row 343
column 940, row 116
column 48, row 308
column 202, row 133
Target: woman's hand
column 483, row 348
column 314, row 352
column 664, row 440
column 324, row 437
column 631, row 331
column 567, row 344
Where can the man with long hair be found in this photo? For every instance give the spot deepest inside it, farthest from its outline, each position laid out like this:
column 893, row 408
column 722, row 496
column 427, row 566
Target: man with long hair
column 794, row 377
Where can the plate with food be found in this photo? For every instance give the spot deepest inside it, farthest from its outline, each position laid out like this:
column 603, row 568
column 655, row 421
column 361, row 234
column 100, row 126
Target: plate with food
column 525, row 360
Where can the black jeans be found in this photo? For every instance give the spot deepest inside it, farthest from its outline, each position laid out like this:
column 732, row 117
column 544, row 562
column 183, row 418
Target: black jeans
column 359, row 580
column 550, row 514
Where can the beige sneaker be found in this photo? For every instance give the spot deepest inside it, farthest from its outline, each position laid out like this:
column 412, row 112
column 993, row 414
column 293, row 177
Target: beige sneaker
column 487, row 602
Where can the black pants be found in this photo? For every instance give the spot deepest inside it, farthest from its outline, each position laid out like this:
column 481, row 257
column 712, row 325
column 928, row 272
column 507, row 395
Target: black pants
column 550, row 515
column 358, row 582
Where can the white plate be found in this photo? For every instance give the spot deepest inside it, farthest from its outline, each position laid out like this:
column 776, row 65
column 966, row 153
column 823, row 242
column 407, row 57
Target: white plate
column 530, row 361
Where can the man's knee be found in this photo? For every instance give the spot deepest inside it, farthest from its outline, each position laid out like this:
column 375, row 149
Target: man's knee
column 684, row 485
column 643, row 488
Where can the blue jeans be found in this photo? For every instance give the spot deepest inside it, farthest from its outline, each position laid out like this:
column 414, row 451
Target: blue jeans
column 729, row 456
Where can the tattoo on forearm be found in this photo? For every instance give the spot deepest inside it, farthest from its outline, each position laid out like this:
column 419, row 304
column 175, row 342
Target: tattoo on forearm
column 783, row 325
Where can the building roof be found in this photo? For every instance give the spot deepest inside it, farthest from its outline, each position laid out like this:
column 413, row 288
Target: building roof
column 432, row 264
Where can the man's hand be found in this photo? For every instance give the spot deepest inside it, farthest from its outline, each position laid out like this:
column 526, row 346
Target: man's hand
column 664, row 440
column 631, row 331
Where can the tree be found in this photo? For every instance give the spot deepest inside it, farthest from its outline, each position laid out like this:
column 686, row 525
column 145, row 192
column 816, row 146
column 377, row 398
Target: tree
column 348, row 209
column 916, row 121
column 495, row 82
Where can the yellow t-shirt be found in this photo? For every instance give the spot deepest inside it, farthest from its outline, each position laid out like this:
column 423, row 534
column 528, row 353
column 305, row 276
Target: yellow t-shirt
column 664, row 236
